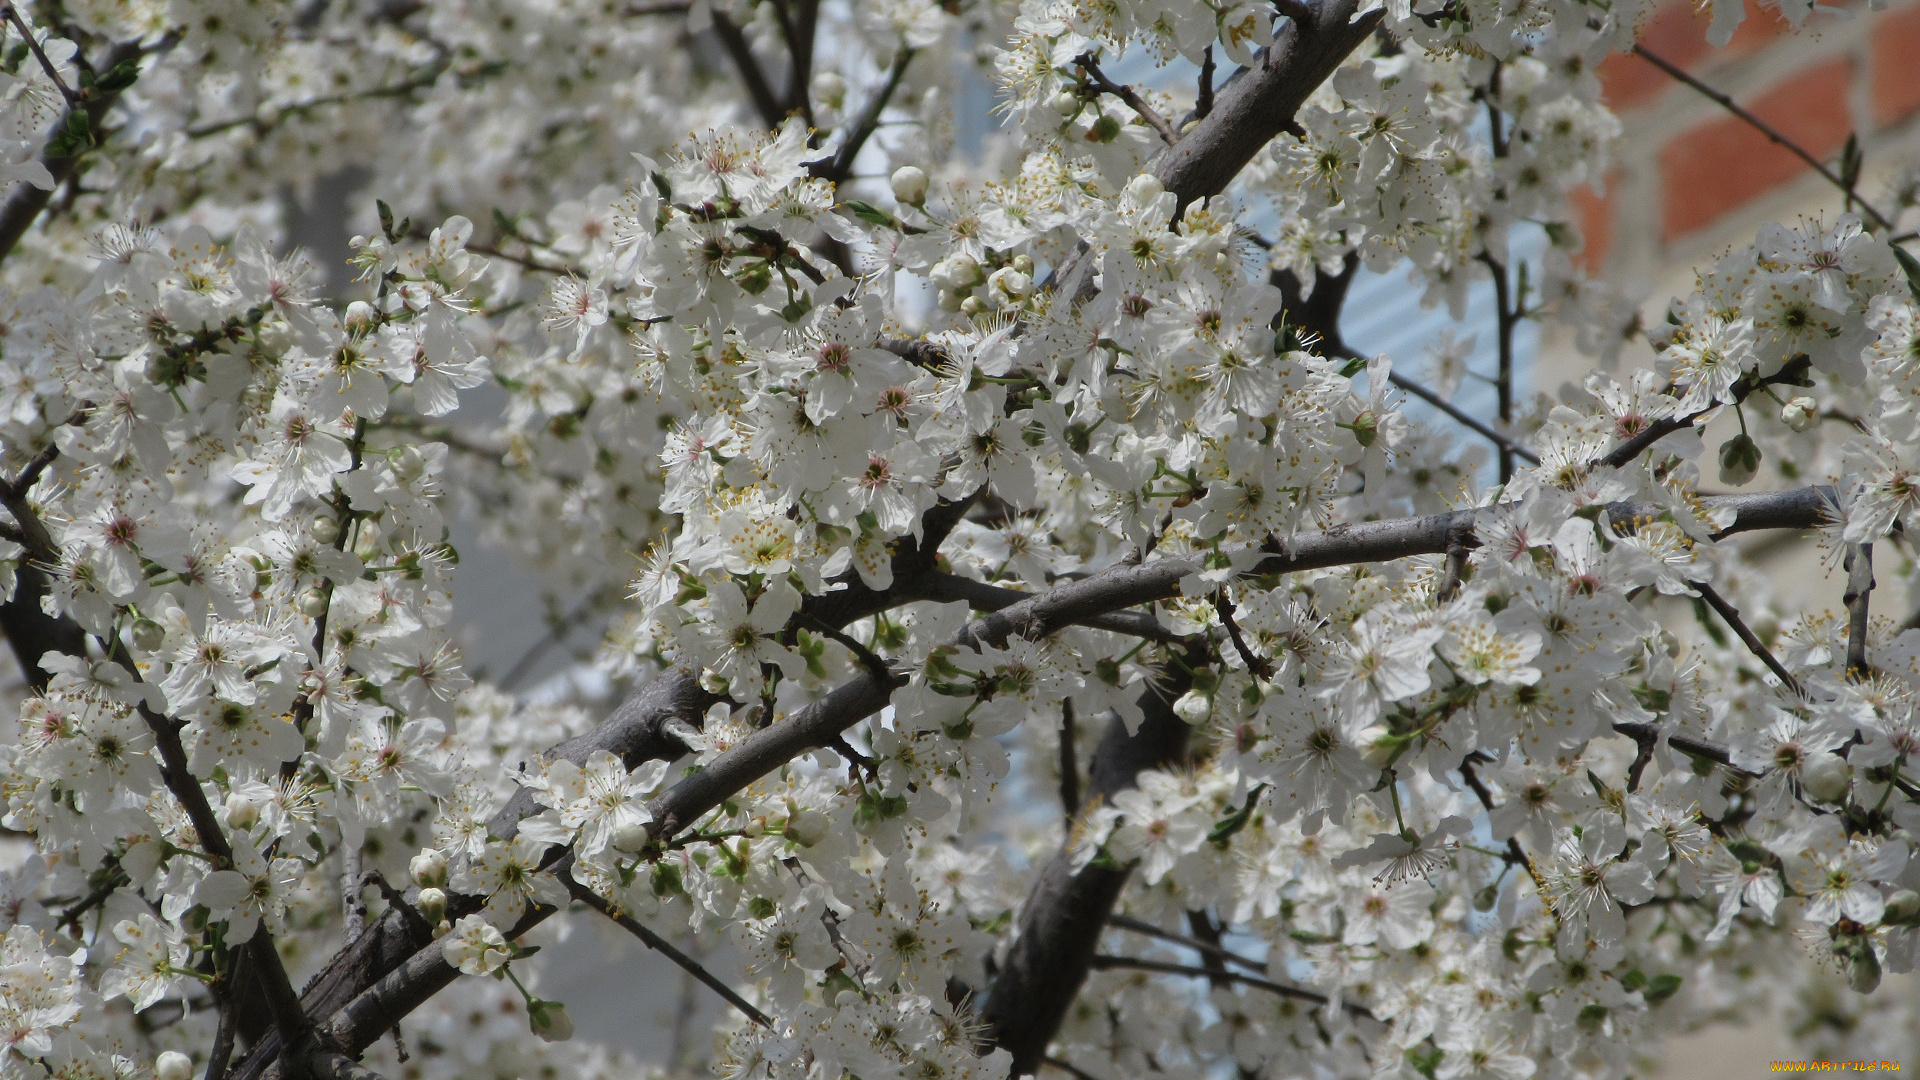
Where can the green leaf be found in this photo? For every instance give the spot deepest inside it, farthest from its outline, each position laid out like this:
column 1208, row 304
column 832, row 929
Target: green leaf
column 386, row 219
column 1851, row 159
column 1661, row 987
column 1911, row 267
column 1424, row 1058
column 122, row 75
column 1224, row 829
column 1704, row 614
column 869, row 213
column 73, row 137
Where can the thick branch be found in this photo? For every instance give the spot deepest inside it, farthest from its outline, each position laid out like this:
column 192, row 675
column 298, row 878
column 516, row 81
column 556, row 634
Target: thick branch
column 1859, row 591
column 1060, row 924
column 1258, row 102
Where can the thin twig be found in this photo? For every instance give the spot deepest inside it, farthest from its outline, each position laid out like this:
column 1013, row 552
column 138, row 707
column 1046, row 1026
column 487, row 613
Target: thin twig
column 1128, row 94
column 1859, row 590
column 1467, row 420
column 222, row 1052
column 1761, row 126
column 871, row 660
column 1141, row 926
column 666, row 948
column 1790, row 374
column 751, row 73
column 1731, row 615
column 1256, row 666
column 1105, row 962
column 1069, row 1068
column 840, row 166
column 1516, row 855
column 1069, row 763
column 23, row 207
column 13, row 16
column 556, row 633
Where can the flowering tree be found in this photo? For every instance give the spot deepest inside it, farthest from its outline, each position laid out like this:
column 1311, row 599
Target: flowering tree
column 920, row 486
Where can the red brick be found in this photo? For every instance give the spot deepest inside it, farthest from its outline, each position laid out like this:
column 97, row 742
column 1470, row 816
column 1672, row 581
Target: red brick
column 1895, row 52
column 1594, row 214
column 1725, row 163
column 1677, row 32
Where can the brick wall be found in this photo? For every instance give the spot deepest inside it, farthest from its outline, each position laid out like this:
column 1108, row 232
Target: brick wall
column 1692, row 178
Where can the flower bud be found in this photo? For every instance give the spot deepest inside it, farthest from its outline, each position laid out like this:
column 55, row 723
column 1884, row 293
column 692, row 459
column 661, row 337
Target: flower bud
column 325, row 528
column 549, row 1020
column 148, row 635
column 1863, row 970
column 1739, row 460
column 910, row 185
column 1827, row 778
column 242, row 813
column 808, row 827
column 972, row 306
column 172, row 1065
column 408, row 465
column 1024, row 264
column 1066, row 103
column 1193, row 707
column 1145, row 188
column 432, row 904
column 313, row 602
column 957, row 272
column 1903, row 908
column 1375, row 744
column 428, row 869
column 1801, row 413
column 631, row 837
column 1010, row 283
column 358, row 314
column 829, row 89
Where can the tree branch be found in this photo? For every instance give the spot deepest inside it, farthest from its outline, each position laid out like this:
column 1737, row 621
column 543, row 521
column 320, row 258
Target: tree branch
column 1061, row 922
column 1086, row 63
column 23, row 208
column 1103, row 962
column 1764, row 128
column 1207, row 948
column 666, row 948
column 400, row 972
column 1747, row 637
column 1258, row 101
column 840, row 166
column 1859, row 591
column 751, row 73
